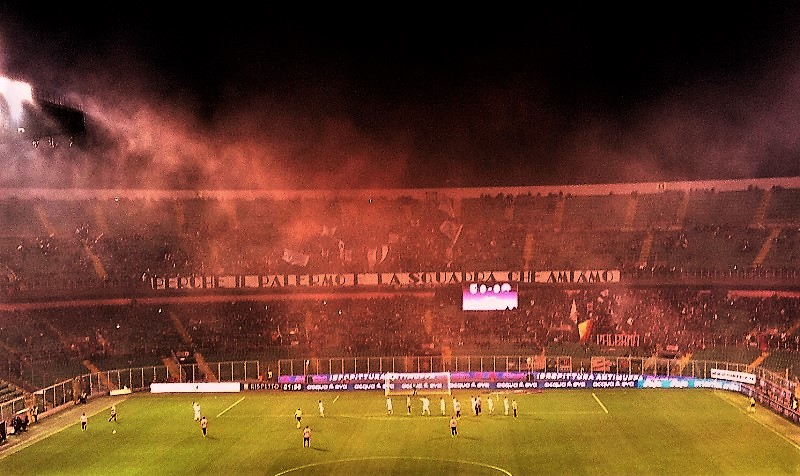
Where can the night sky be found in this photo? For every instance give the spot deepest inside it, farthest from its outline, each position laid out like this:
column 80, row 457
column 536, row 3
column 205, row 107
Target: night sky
column 275, row 100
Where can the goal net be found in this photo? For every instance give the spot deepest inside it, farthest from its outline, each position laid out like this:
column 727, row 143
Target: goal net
column 429, row 383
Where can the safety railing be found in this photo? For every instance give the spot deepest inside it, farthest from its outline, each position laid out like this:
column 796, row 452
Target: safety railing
column 70, row 391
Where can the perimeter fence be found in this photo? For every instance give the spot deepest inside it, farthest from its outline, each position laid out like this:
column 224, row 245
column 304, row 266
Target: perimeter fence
column 79, row 388
column 73, row 391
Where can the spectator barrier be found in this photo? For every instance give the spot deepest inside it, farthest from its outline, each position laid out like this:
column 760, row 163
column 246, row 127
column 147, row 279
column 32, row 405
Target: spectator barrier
column 479, row 372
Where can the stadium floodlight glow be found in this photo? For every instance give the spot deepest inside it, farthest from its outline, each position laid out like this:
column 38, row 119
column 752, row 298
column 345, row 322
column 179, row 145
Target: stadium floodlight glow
column 16, row 93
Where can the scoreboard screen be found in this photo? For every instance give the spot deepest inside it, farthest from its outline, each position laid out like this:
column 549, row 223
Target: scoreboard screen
column 489, row 297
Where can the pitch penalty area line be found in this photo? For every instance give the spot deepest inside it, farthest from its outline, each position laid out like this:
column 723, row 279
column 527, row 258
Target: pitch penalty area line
column 230, row 406
column 600, row 403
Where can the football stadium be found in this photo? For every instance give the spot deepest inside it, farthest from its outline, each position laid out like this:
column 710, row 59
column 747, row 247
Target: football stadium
column 641, row 360
column 164, row 314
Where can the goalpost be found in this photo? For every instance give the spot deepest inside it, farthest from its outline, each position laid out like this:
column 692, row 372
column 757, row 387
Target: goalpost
column 428, row 383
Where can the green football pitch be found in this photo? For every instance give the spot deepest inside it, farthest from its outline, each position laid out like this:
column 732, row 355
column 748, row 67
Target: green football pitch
column 607, row 432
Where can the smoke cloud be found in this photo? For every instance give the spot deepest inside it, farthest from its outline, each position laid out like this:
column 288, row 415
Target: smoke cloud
column 334, row 124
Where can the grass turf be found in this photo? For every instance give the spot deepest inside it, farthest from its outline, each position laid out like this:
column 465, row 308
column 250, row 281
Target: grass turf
column 650, row 431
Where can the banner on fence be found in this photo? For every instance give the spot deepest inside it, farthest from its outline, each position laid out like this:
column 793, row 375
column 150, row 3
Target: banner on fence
column 466, row 380
column 618, row 340
column 688, row 382
column 743, row 377
column 420, row 279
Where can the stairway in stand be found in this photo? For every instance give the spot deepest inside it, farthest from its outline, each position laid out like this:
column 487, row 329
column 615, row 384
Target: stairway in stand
column 527, row 252
column 766, row 247
column 208, row 374
column 761, row 212
column 173, row 369
column 644, row 253
column 104, row 380
column 558, row 215
column 630, row 212
column 759, row 360
column 680, row 215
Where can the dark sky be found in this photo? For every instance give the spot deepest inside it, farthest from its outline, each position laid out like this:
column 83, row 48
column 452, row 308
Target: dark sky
column 260, row 99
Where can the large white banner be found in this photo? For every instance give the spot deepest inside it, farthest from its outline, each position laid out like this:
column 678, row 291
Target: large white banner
column 422, row 279
column 744, row 377
column 201, row 387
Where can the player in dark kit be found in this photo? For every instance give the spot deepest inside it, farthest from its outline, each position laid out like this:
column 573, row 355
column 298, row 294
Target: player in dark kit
column 204, row 426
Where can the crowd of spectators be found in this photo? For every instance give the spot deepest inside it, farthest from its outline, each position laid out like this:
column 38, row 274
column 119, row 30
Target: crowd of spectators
column 419, row 323
column 91, row 242
column 77, row 246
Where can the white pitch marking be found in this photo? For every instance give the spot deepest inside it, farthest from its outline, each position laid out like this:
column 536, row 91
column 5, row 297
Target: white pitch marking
column 378, row 458
column 784, row 437
column 230, row 406
column 600, row 403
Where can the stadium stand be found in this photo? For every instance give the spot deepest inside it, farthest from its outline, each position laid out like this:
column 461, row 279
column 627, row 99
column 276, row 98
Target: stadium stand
column 708, row 269
column 8, row 391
